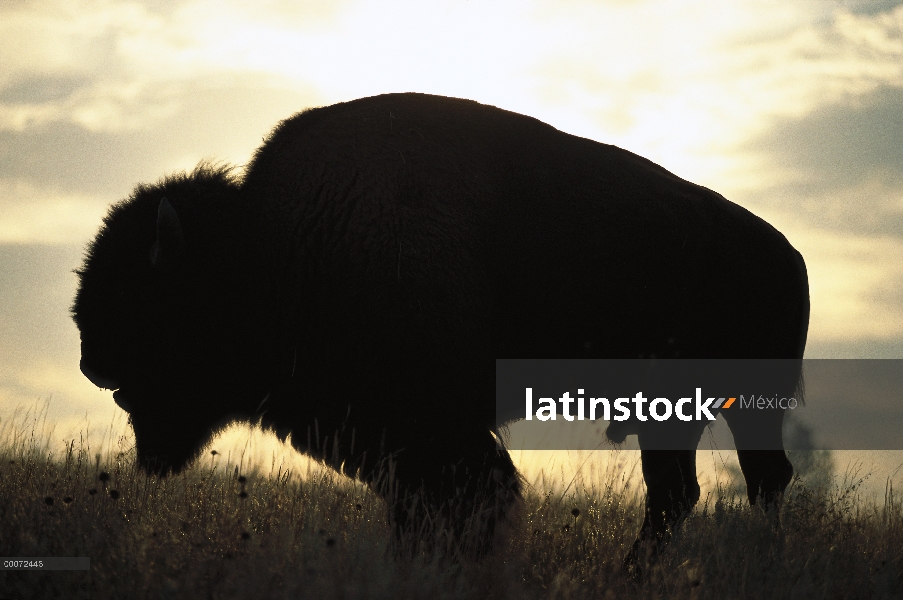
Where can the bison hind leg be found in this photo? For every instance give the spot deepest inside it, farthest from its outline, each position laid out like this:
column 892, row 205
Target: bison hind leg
column 767, row 474
column 760, row 451
column 672, row 491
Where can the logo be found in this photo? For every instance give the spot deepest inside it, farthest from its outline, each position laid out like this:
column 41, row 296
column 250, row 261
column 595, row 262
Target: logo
column 660, row 409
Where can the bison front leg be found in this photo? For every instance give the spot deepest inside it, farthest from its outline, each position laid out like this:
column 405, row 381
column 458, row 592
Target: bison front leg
column 451, row 495
column 671, row 492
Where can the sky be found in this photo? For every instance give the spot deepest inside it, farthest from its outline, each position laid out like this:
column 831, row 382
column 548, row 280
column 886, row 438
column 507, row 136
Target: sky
column 793, row 110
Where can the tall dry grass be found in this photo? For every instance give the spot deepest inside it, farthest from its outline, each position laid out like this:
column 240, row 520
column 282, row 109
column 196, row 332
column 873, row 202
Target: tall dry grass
column 222, row 531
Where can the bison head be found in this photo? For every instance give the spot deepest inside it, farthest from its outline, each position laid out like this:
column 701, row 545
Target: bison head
column 167, row 307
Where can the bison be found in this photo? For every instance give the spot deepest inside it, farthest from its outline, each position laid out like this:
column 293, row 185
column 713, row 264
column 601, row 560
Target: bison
column 356, row 284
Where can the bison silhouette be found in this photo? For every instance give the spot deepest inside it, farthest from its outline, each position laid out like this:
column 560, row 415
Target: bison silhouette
column 355, row 286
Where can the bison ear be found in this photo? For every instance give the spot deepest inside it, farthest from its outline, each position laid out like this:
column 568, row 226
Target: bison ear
column 170, row 240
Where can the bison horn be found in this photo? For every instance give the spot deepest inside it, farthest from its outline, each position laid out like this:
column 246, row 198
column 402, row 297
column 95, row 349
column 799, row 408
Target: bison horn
column 170, row 241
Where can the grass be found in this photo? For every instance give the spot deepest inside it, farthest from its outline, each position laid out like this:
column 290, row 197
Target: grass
column 216, row 531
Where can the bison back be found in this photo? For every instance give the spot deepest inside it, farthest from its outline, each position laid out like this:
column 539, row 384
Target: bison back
column 418, row 238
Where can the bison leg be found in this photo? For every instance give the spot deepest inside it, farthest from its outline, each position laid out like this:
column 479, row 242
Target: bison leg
column 767, row 474
column 760, row 449
column 671, row 492
column 446, row 500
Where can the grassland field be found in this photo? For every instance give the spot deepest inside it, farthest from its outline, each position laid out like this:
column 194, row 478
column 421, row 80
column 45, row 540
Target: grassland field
column 224, row 529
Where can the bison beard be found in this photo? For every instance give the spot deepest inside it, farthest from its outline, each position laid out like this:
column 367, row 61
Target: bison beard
column 355, row 287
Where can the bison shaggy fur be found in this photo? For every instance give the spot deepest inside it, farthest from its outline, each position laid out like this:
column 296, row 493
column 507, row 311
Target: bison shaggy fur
column 355, row 286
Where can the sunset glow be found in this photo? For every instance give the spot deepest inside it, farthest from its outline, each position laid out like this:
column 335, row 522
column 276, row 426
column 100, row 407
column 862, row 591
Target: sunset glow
column 793, row 110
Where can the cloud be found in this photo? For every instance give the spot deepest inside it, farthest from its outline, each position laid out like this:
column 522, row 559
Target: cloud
column 867, row 7
column 688, row 95
column 37, row 89
column 118, row 66
column 33, row 215
column 836, row 191
column 38, row 341
column 656, row 87
column 123, row 64
column 58, row 178
column 792, row 109
column 841, row 145
column 36, row 288
column 115, row 37
column 69, row 157
column 854, row 283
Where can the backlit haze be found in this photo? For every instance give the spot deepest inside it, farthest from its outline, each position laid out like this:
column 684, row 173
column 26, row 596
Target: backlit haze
column 793, row 110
